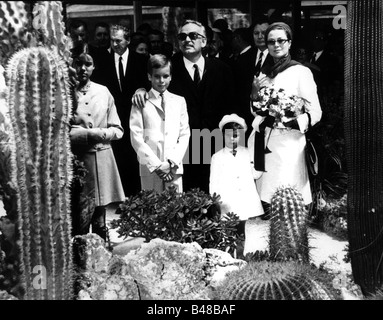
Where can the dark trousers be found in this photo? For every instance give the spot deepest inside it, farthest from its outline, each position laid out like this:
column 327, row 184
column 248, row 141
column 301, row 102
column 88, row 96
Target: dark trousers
column 98, row 222
column 82, row 223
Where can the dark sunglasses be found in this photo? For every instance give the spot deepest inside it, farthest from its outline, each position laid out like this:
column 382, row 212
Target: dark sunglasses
column 279, row 41
column 192, row 35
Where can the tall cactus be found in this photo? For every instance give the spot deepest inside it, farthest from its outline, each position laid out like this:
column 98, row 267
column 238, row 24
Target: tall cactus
column 276, row 281
column 40, row 106
column 363, row 124
column 49, row 27
column 14, row 28
column 288, row 236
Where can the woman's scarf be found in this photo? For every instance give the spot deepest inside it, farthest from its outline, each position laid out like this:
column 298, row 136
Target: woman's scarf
column 281, row 65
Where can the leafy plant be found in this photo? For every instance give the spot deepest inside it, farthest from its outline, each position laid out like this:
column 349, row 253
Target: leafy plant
column 332, row 217
column 328, row 138
column 187, row 217
column 82, row 205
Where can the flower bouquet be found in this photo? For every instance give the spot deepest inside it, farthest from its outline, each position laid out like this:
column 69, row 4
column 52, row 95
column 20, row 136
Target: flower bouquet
column 277, row 103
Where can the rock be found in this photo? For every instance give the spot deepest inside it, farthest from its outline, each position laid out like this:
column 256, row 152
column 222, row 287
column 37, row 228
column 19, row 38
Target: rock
column 219, row 263
column 167, row 270
column 100, row 275
column 124, row 247
column 158, row 270
column 4, row 295
column 347, row 295
column 90, row 253
column 110, row 287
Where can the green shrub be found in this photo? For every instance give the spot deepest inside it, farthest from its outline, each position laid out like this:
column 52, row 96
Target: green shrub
column 332, row 217
column 192, row 216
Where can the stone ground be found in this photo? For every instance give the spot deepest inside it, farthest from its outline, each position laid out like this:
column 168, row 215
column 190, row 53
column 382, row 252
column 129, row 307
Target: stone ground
column 325, row 250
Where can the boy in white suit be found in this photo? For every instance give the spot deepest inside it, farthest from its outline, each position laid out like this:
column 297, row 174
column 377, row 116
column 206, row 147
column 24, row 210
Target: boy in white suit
column 232, row 174
column 160, row 131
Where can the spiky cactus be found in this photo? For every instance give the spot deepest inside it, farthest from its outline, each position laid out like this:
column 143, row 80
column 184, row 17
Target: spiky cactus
column 276, row 281
column 39, row 108
column 288, row 236
column 364, row 141
column 49, row 27
column 14, row 28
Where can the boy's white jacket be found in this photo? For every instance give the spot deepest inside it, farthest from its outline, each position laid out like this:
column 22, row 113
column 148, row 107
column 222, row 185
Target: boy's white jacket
column 159, row 135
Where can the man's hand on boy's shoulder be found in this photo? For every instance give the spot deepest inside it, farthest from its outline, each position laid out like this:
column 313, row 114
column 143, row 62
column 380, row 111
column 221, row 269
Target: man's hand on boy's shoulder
column 139, row 97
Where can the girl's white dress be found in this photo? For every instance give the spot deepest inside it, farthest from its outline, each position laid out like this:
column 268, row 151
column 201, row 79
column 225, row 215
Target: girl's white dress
column 233, row 179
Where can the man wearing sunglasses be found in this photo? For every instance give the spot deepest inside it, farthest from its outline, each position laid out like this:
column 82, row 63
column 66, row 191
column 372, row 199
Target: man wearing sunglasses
column 207, row 86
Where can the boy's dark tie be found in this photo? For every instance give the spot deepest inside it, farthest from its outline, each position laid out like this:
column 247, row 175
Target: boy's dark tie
column 234, row 151
column 197, row 77
column 162, row 101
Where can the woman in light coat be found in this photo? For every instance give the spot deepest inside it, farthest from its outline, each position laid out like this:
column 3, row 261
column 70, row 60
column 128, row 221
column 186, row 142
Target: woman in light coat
column 281, row 158
column 95, row 125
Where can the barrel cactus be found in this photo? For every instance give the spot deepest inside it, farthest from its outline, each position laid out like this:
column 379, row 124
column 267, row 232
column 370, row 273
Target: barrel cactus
column 266, row 280
column 41, row 167
column 288, row 238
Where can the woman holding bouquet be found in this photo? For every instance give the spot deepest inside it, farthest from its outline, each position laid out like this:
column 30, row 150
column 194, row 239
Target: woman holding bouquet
column 285, row 104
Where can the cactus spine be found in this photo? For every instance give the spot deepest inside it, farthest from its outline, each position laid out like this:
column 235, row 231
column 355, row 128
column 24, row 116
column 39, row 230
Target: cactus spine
column 288, row 237
column 40, row 106
column 274, row 281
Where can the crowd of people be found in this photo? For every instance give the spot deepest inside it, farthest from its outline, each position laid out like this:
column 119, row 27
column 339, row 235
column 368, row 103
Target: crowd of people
column 150, row 102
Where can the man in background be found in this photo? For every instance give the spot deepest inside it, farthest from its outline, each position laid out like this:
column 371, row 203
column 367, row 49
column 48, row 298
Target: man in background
column 124, row 72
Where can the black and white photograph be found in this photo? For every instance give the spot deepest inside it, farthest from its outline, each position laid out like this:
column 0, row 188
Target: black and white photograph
column 193, row 155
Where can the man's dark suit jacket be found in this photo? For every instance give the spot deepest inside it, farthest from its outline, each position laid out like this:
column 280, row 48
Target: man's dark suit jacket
column 207, row 103
column 135, row 77
column 330, row 71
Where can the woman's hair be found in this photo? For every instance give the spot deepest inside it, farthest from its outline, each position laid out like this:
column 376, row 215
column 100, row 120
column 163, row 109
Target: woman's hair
column 158, row 61
column 280, row 26
column 83, row 58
